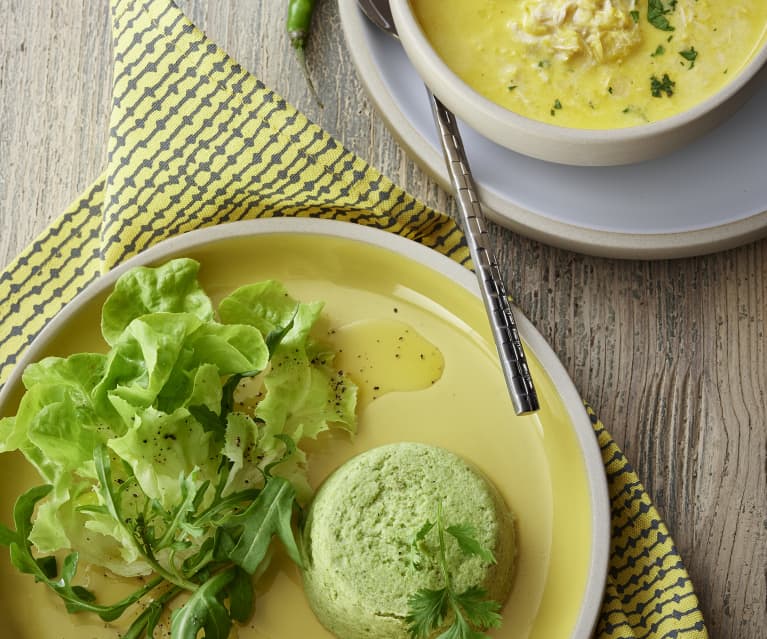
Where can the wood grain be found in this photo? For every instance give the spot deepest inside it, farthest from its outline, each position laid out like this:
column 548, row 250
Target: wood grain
column 671, row 353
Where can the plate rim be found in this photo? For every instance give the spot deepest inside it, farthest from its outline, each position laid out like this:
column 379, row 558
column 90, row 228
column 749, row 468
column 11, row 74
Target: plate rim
column 429, row 258
column 588, row 241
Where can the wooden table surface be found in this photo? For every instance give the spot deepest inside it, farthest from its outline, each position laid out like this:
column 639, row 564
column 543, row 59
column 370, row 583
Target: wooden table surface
column 671, row 353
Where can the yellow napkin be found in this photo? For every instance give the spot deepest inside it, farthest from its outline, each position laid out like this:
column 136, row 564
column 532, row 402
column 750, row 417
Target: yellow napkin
column 195, row 141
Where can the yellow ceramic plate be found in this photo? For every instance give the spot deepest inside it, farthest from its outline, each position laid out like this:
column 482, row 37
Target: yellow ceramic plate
column 547, row 466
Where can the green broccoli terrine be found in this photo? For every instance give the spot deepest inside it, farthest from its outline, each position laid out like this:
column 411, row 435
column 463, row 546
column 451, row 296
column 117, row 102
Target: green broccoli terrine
column 360, row 530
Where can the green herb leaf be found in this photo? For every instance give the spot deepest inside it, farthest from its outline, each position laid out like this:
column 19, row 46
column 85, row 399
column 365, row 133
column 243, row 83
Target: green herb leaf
column 290, row 450
column 466, row 536
column 691, row 55
column 460, row 629
column 49, row 566
column 480, row 611
column 472, row 612
column 145, row 623
column 656, row 15
column 75, row 597
column 417, row 555
column 269, row 515
column 423, row 531
column 634, row 16
column 427, row 611
column 276, row 335
column 204, row 611
column 7, row 536
column 241, row 597
column 665, row 85
column 660, row 50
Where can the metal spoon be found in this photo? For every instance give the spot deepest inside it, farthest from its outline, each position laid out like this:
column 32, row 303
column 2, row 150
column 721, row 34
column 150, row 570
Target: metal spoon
column 505, row 333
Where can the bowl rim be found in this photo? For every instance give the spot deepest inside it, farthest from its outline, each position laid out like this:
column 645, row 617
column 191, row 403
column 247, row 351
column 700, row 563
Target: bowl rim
column 581, row 422
column 474, row 107
column 504, row 209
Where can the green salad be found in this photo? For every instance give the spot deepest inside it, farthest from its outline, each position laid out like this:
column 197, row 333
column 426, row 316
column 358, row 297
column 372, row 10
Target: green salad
column 175, row 455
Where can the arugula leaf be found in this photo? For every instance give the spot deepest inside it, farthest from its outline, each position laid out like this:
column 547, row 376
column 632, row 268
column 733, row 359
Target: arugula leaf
column 7, row 536
column 240, row 594
column 49, row 566
column 145, row 623
column 75, row 597
column 290, row 450
column 204, row 611
column 270, row 514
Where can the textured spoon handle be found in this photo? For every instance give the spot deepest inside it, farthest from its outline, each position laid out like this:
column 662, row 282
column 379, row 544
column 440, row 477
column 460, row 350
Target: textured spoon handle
column 505, row 333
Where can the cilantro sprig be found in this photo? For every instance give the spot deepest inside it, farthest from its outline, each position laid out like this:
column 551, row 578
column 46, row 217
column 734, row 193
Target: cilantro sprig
column 470, row 612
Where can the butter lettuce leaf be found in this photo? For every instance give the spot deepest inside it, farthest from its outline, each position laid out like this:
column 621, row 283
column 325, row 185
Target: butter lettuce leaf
column 169, row 288
column 160, row 448
column 264, row 305
column 154, row 451
column 305, row 398
column 304, row 393
column 157, row 358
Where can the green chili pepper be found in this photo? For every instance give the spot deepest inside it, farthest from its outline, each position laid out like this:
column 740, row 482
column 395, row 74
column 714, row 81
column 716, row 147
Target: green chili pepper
column 298, row 25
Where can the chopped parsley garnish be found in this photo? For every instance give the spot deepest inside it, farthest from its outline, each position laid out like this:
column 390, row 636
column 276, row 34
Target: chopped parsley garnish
column 610, row 90
column 512, row 86
column 690, row 55
column 470, row 611
column 659, row 51
column 659, row 87
column 557, row 106
column 634, row 16
column 656, row 14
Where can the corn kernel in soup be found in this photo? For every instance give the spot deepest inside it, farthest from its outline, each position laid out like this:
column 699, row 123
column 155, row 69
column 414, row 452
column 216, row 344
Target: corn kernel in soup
column 595, row 64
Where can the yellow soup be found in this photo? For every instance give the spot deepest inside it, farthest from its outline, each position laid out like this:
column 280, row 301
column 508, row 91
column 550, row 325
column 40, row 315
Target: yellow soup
column 595, row 64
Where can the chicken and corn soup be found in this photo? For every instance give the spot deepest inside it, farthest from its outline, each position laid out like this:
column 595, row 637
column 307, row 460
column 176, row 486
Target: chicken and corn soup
column 595, row 64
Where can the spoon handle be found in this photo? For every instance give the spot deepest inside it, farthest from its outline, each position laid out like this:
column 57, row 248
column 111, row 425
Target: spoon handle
column 504, row 328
